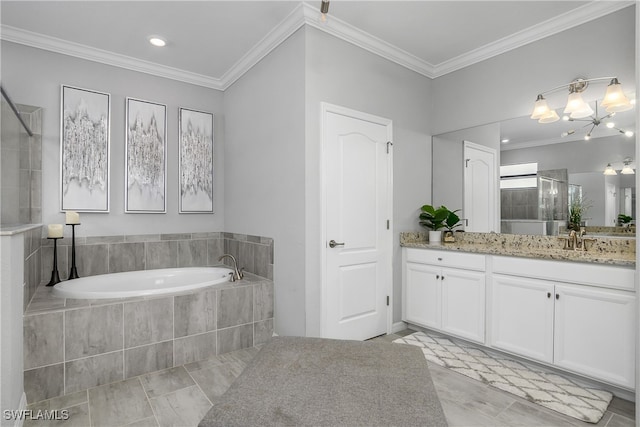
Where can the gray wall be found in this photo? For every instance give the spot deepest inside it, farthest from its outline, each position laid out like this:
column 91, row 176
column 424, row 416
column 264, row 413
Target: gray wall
column 264, row 169
column 506, row 85
column 342, row 74
column 33, row 77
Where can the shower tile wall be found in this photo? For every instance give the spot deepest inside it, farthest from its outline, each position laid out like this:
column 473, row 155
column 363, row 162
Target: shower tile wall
column 21, row 166
column 114, row 254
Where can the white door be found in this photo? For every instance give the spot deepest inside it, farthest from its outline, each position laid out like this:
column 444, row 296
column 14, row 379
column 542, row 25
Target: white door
column 422, row 295
column 463, row 303
column 522, row 316
column 357, row 224
column 595, row 333
column 480, row 188
column 610, row 205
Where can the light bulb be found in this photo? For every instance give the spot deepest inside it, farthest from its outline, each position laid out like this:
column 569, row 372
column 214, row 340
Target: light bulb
column 628, row 133
column 587, row 137
column 610, row 125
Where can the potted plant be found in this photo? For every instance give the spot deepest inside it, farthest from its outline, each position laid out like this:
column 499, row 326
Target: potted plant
column 624, row 220
column 578, row 208
column 452, row 221
column 436, row 219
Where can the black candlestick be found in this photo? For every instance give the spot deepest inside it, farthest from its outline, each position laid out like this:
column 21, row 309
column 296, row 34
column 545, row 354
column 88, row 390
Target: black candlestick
column 55, row 277
column 73, row 273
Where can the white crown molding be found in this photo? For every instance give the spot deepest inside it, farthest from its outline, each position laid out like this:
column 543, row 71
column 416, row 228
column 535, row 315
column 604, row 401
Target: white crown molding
column 573, row 18
column 81, row 51
column 273, row 39
column 306, row 14
column 347, row 32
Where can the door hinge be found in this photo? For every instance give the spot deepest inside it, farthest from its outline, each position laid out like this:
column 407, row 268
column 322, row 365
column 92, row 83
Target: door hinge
column 388, row 144
column 387, row 224
column 387, row 299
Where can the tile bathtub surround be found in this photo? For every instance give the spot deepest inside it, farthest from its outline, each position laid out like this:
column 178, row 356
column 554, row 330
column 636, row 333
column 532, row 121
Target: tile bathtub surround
column 114, row 254
column 32, row 261
column 73, row 345
column 612, row 250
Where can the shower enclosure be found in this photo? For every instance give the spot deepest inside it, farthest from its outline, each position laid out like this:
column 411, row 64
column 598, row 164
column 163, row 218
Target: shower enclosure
column 21, row 156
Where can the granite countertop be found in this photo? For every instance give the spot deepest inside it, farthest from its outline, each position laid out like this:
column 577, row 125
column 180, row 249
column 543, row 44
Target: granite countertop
column 614, row 251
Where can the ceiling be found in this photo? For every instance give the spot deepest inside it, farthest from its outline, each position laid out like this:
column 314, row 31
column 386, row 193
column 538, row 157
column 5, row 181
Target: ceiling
column 212, row 43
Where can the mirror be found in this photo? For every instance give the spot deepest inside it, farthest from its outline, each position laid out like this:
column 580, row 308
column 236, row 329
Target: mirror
column 568, row 168
column 571, row 169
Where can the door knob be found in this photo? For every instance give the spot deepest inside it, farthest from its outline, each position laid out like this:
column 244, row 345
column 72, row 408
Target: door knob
column 333, row 243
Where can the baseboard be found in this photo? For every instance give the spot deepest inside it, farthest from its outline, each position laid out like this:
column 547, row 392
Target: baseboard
column 398, row 326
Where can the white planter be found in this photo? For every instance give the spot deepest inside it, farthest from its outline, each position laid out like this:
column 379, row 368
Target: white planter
column 435, row 237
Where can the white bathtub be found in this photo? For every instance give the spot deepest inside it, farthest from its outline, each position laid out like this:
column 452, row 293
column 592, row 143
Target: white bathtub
column 141, row 283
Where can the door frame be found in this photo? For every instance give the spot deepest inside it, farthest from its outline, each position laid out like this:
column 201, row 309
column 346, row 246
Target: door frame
column 326, row 108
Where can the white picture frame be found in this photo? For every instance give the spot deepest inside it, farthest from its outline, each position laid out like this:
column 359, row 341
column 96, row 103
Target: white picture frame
column 85, row 138
column 196, row 160
column 145, row 157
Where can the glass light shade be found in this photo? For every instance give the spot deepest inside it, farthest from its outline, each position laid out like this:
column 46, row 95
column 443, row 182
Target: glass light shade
column 540, row 108
column 609, row 170
column 582, row 113
column 574, row 103
column 549, row 118
column 628, row 133
column 627, row 170
column 615, row 100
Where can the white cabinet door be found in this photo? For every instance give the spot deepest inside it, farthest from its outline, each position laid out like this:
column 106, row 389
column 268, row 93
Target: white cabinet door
column 422, row 295
column 522, row 316
column 594, row 333
column 463, row 303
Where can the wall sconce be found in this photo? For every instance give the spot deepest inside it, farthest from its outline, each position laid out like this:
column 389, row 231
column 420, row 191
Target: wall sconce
column 627, row 169
column 614, row 101
column 609, row 170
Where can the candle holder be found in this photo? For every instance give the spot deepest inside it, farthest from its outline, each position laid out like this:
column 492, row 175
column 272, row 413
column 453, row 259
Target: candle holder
column 55, row 277
column 73, row 273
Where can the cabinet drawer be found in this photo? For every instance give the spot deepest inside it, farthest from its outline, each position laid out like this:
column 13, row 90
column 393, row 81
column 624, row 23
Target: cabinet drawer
column 446, row 258
column 571, row 272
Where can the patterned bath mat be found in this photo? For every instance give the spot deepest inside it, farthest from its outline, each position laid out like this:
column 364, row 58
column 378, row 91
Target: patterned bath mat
column 544, row 388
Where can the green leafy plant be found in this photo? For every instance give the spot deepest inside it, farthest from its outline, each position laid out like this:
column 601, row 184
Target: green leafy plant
column 577, row 210
column 624, row 219
column 438, row 218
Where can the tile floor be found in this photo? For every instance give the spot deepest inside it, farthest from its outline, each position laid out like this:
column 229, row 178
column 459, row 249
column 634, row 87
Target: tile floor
column 181, row 396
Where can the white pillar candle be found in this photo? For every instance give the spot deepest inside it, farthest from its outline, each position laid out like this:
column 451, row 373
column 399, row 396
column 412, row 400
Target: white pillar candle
column 72, row 217
column 55, row 230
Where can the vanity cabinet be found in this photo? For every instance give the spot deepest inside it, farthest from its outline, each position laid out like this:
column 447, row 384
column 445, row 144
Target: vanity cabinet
column 445, row 291
column 580, row 322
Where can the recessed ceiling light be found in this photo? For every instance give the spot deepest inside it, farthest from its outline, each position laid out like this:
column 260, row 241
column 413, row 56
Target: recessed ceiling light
column 157, row 41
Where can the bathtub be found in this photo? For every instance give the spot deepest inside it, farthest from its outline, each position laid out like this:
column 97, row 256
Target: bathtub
column 141, row 283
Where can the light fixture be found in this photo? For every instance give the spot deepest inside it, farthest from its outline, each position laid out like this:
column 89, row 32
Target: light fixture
column 577, row 108
column 324, row 9
column 609, row 170
column 615, row 100
column 595, row 121
column 157, row 41
column 627, row 169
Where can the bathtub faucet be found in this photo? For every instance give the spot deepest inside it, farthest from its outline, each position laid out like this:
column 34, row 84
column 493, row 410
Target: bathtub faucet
column 237, row 273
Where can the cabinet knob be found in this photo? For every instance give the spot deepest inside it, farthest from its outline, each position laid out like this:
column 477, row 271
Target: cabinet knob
column 442, row 277
column 548, row 294
column 557, row 296
column 437, row 277
column 439, row 259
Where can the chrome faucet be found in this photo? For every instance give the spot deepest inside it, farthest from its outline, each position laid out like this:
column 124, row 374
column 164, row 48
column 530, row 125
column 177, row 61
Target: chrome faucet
column 237, row 273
